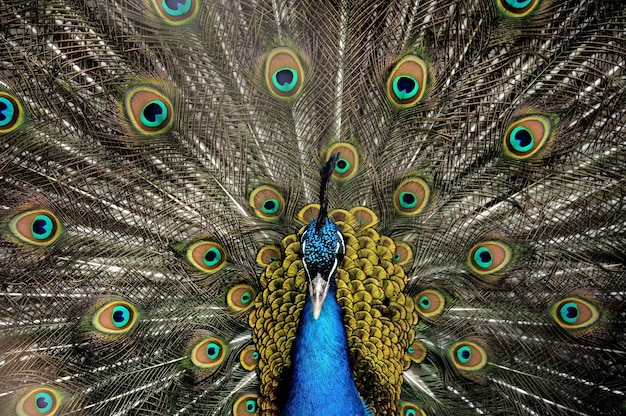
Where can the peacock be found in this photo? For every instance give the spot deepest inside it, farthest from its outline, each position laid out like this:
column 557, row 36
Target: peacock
column 273, row 207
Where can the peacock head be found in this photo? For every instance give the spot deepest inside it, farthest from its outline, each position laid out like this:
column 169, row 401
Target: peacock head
column 322, row 250
column 322, row 246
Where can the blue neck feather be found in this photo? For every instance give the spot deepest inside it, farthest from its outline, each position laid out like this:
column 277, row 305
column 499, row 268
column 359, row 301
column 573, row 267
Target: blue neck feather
column 322, row 382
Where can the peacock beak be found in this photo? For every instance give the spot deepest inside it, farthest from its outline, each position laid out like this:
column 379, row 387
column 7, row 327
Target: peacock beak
column 318, row 288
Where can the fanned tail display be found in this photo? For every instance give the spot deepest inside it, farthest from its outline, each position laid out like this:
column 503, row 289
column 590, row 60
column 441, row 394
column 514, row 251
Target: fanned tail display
column 313, row 208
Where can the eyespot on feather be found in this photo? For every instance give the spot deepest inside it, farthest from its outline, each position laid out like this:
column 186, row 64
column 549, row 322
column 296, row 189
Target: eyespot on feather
column 249, row 357
column 245, row 406
column 11, row 112
column 489, row 257
column 430, row 303
column 38, row 227
column 409, row 409
column 284, row 75
column 240, row 297
column 176, row 12
column 115, row 318
column 468, row 356
column 208, row 354
column 40, row 401
column 267, row 202
column 411, row 196
column 207, row 256
column 574, row 313
column 348, row 162
column 365, row 216
column 267, row 255
column 416, row 352
column 516, row 8
column 527, row 136
column 407, row 82
column 403, row 254
column 148, row 110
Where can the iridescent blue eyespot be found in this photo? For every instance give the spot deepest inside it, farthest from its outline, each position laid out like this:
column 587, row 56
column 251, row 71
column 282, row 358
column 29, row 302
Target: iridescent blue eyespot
column 483, row 257
column 154, row 114
column 40, row 401
column 42, row 227
column 285, row 79
column 464, row 354
column 11, row 112
column 405, row 87
column 115, row 318
column 249, row 358
column 44, row 401
column 406, row 83
column 121, row 316
column 208, row 354
column 177, row 7
column 574, row 313
column 207, row 256
column 468, row 356
column 176, row 12
column 240, row 297
column 267, row 202
column 38, row 227
column 411, row 196
column 283, row 73
column 517, row 8
column 148, row 110
column 7, row 112
column 489, row 257
column 245, row 405
column 524, row 138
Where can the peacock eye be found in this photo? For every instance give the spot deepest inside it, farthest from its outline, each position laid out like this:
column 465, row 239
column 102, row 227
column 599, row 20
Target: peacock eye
column 489, row 257
column 403, row 254
column 38, row 227
column 309, row 212
column 285, row 79
column 11, row 112
column 365, row 216
column 574, row 313
column 270, row 206
column 208, row 353
column 41, row 401
column 468, row 356
column 176, row 12
column 409, row 409
column 283, row 73
column 526, row 137
column 207, row 256
column 430, row 303
column 249, row 357
column 153, row 114
column 267, row 255
column 148, row 110
column 347, row 163
column 115, row 318
column 245, row 405
column 406, row 84
column 240, row 297
column 267, row 202
column 517, row 8
column 416, row 352
column 411, row 196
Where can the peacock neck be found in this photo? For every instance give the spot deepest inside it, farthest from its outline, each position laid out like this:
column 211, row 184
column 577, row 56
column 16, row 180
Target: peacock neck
column 322, row 382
